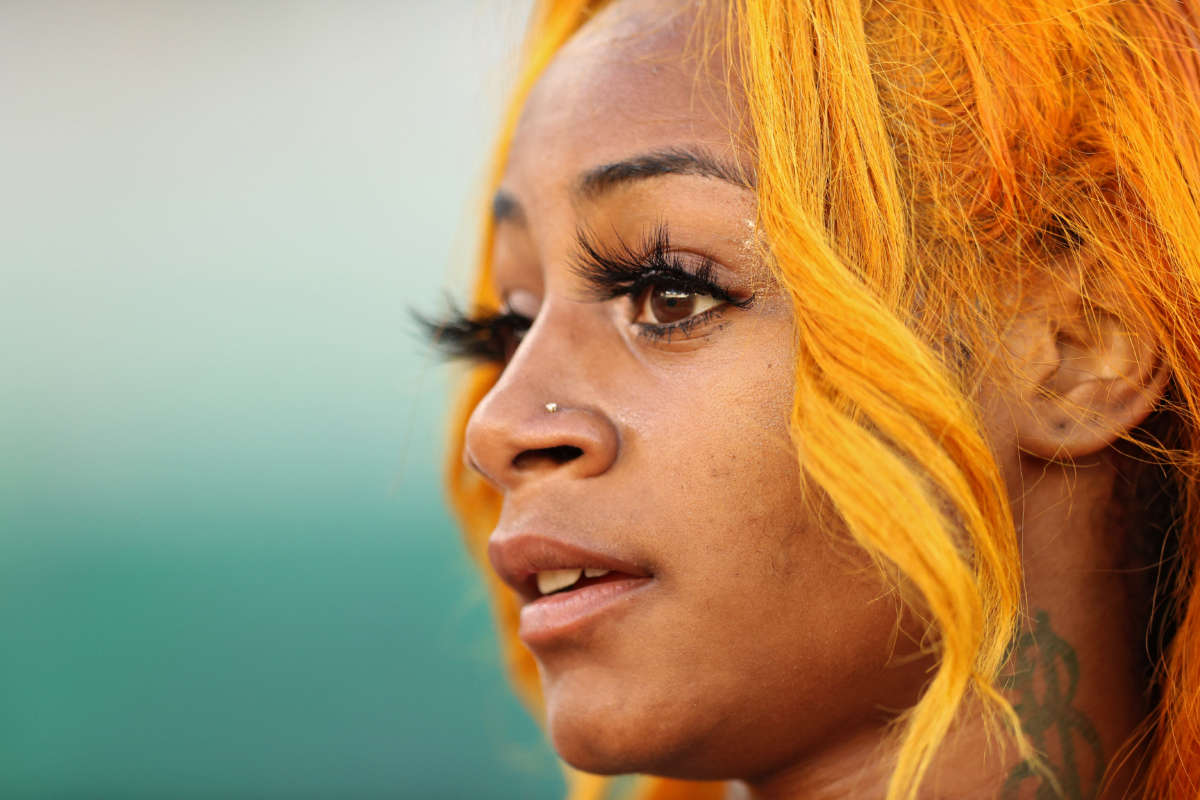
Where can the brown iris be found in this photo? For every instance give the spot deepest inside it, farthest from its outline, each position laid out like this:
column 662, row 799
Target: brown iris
column 669, row 305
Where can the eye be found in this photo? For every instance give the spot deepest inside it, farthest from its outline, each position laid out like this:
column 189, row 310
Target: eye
column 667, row 305
column 487, row 337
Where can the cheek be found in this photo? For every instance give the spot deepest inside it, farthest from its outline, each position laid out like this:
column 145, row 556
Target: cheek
column 770, row 637
column 771, row 630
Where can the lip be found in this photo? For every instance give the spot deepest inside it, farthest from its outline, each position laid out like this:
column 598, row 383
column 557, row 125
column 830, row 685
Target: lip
column 560, row 616
column 517, row 558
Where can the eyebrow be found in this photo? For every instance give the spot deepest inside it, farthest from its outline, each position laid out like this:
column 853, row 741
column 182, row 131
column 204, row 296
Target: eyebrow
column 670, row 161
column 606, row 177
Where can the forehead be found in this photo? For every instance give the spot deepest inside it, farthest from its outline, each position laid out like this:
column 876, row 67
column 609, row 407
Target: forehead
column 639, row 77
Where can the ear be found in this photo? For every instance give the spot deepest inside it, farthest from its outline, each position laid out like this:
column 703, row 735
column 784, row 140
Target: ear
column 1085, row 377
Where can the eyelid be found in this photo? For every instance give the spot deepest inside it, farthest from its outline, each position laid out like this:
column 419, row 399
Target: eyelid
column 523, row 302
column 611, row 271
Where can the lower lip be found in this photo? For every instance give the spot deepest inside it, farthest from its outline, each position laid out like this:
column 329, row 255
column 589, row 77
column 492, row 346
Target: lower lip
column 556, row 616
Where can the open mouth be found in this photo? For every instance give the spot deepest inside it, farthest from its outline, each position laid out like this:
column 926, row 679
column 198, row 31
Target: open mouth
column 545, row 570
column 560, row 603
column 560, row 581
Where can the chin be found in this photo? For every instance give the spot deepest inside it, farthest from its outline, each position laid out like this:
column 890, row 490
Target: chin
column 602, row 738
column 610, row 734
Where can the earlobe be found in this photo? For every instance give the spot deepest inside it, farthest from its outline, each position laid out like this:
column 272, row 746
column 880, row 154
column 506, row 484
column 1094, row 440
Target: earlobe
column 1090, row 379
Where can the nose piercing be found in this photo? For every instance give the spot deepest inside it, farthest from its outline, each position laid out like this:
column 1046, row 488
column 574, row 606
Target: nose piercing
column 552, row 407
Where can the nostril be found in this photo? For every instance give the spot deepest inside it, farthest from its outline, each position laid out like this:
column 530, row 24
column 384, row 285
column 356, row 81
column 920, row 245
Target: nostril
column 546, row 456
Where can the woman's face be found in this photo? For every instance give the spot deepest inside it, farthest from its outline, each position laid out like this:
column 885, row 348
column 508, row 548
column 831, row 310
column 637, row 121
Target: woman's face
column 739, row 629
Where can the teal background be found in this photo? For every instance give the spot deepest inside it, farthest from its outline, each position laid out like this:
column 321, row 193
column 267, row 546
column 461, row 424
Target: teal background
column 226, row 569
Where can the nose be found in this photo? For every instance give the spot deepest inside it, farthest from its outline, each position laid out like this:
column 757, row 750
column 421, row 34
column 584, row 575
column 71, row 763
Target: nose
column 517, row 435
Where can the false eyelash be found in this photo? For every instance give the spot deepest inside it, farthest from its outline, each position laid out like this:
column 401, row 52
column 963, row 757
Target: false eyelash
column 487, row 337
column 626, row 270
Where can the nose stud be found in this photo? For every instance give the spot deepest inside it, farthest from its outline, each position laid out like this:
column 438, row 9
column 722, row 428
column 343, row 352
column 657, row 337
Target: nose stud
column 552, row 407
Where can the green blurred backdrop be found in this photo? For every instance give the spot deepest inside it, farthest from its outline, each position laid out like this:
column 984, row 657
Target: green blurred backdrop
column 226, row 569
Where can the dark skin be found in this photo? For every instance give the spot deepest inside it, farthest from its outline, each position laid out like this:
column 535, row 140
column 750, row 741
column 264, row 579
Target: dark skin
column 762, row 652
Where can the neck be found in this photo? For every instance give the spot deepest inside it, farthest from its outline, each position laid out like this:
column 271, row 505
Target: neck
column 1077, row 674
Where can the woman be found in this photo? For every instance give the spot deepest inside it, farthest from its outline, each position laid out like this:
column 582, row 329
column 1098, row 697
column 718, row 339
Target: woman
column 836, row 430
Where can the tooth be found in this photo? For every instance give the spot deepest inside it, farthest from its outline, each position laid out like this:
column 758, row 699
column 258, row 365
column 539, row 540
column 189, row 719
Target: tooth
column 551, row 580
column 595, row 572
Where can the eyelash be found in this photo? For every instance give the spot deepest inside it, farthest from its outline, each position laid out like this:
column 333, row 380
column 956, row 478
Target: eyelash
column 485, row 337
column 622, row 271
column 626, row 271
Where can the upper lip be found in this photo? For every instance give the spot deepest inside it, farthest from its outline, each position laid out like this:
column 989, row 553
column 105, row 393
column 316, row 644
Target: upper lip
column 517, row 558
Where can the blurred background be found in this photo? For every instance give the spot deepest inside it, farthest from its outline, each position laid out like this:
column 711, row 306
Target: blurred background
column 226, row 568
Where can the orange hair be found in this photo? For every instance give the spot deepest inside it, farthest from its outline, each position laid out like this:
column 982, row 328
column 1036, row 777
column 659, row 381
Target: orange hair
column 914, row 161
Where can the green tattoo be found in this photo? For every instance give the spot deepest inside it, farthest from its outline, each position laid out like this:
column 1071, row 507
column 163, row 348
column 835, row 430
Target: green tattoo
column 1046, row 674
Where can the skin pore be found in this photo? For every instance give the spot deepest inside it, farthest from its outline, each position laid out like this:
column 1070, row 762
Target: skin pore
column 764, row 650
